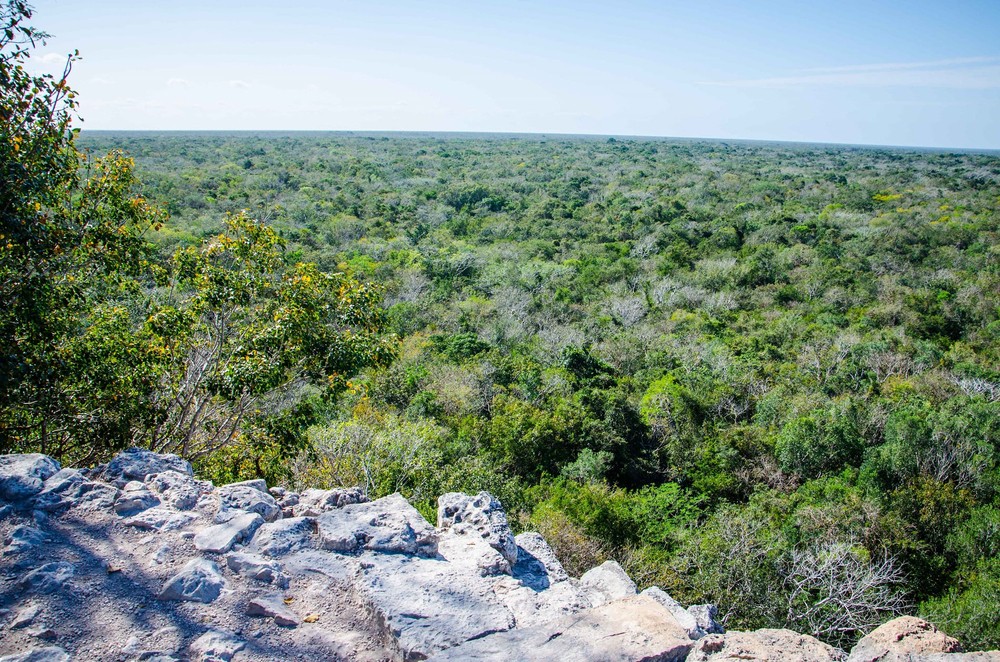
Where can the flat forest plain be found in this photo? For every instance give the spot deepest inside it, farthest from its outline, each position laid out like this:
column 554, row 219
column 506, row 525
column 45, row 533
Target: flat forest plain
column 762, row 375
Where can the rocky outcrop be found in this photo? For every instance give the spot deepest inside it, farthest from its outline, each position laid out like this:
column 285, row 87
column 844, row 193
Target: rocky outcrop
column 764, row 645
column 907, row 639
column 138, row 560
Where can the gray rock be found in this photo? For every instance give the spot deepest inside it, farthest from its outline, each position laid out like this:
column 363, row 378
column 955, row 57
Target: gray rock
column 198, row 581
column 160, row 519
column 94, row 496
column 47, row 578
column 135, row 498
column 783, row 645
column 25, row 617
column 177, row 490
column 534, row 607
column 478, row 515
column 273, row 606
column 683, row 617
column 636, row 628
column 389, row 524
column 606, row 583
column 216, row 645
column 23, row 476
column 255, row 567
column 23, row 538
column 59, row 490
column 472, row 553
column 220, row 538
column 249, row 498
column 537, row 566
column 284, row 536
column 311, row 502
column 426, row 604
column 903, row 639
column 45, row 654
column 705, row 615
column 137, row 463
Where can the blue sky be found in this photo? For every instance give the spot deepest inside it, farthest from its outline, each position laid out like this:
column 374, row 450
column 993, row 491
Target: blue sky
column 873, row 72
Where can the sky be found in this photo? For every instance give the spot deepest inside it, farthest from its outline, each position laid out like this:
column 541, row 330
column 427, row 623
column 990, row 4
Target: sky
column 885, row 72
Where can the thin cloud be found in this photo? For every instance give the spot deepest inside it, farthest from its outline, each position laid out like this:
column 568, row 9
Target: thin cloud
column 972, row 73
column 178, row 82
column 239, row 83
column 54, row 58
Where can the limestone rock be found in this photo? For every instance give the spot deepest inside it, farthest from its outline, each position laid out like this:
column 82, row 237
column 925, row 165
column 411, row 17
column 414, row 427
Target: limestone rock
column 636, row 628
column 47, row 578
column 23, row 538
column 247, row 497
column 137, row 463
column 274, row 607
column 607, row 583
column 160, row 519
column 284, row 536
column 22, row 476
column 255, row 567
column 59, row 490
column 473, row 553
column 198, row 581
column 177, row 490
column 135, row 498
column 427, row 604
column 220, row 538
column 389, row 524
column 764, row 645
column 901, row 639
column 216, row 645
column 46, row 654
column 537, row 566
column 25, row 617
column 311, row 502
column 704, row 616
column 680, row 614
column 478, row 515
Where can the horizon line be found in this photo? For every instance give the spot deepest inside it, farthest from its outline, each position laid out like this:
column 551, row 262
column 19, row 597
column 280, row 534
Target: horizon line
column 626, row 136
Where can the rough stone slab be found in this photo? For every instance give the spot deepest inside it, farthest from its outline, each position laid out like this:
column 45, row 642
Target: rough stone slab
column 177, row 490
column 160, row 519
column 636, row 628
column 704, row 616
column 199, row 581
column 248, row 498
column 137, row 463
column 23, row 538
column 607, row 583
column 220, row 538
column 312, row 502
column 285, row 536
column 981, row 656
column 389, row 524
column 216, row 645
column 472, row 553
column 25, row 617
column 537, row 566
column 272, row 606
column 22, row 476
column 903, row 638
column 59, row 490
column 45, row 654
column 765, row 645
column 47, row 578
column 135, row 498
column 680, row 614
column 532, row 607
column 426, row 605
column 254, row 566
column 481, row 515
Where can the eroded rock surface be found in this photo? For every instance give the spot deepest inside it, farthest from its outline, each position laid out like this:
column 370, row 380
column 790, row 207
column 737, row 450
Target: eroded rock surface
column 138, row 560
column 766, row 646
